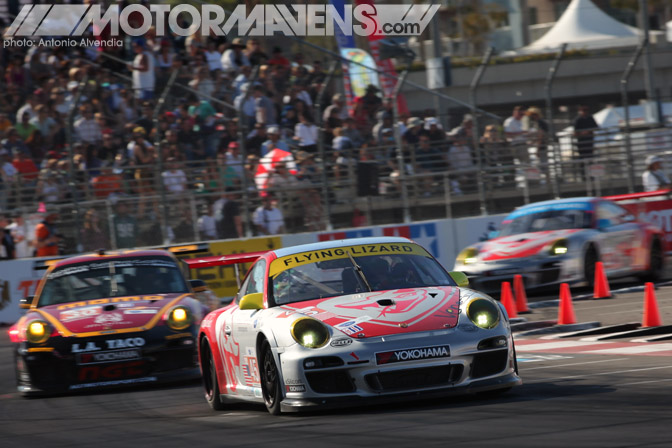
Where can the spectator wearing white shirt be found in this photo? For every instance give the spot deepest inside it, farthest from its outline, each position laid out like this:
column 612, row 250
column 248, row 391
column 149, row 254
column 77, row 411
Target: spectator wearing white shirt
column 305, row 133
column 267, row 218
column 234, row 58
column 144, row 76
column 174, row 178
column 87, row 128
column 654, row 178
column 29, row 107
column 213, row 57
column 516, row 135
column 207, row 225
column 274, row 141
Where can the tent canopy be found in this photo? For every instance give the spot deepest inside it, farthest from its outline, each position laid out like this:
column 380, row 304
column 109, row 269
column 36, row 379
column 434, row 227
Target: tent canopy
column 585, row 26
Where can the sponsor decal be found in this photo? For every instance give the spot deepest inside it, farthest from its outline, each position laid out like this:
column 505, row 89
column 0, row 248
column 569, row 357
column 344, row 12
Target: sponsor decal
column 413, row 354
column 119, row 300
column 89, row 347
column 340, row 342
column 351, row 330
column 112, row 344
column 140, row 311
column 98, row 372
column 292, row 261
column 101, row 357
column 291, row 381
column 111, row 318
column 296, row 388
column 80, row 313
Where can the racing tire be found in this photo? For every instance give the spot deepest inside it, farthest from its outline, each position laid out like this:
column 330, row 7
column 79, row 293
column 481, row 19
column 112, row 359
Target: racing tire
column 656, row 262
column 589, row 259
column 210, row 383
column 271, row 389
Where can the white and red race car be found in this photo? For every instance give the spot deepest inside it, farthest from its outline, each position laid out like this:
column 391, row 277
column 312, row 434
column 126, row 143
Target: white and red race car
column 560, row 241
column 339, row 322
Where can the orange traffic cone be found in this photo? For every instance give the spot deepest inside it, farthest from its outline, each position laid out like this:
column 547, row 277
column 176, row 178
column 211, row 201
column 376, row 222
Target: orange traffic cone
column 521, row 297
column 566, row 311
column 651, row 316
column 601, row 290
column 507, row 300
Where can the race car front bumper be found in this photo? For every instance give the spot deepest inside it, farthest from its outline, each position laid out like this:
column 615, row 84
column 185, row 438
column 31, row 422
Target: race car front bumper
column 59, row 368
column 537, row 272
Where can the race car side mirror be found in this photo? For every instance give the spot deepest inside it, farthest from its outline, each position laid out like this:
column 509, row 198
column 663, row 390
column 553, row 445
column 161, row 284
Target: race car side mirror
column 198, row 285
column 460, row 278
column 603, row 223
column 254, row 301
column 25, row 302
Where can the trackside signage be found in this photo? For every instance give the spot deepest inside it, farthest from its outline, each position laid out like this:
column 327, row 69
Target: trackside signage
column 262, row 20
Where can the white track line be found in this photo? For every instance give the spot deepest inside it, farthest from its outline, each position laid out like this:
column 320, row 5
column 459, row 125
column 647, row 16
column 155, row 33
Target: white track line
column 573, row 364
column 573, row 377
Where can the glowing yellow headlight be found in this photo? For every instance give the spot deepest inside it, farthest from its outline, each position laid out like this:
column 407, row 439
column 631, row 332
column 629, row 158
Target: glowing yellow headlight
column 468, row 256
column 560, row 247
column 37, row 332
column 483, row 313
column 310, row 333
column 179, row 318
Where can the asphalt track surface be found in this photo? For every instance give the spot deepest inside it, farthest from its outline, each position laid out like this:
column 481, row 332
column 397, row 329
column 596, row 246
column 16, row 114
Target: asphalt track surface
column 572, row 396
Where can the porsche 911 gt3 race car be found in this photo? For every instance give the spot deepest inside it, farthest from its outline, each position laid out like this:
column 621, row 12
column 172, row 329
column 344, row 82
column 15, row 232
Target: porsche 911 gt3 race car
column 107, row 320
column 333, row 323
column 560, row 241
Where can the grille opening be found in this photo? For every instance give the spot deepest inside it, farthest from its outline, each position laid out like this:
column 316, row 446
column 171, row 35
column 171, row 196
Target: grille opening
column 489, row 363
column 330, row 382
column 414, row 378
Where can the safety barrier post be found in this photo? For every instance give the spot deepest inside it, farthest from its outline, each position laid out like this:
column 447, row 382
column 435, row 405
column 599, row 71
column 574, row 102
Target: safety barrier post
column 476, row 141
column 159, row 155
column 624, row 102
column 550, row 77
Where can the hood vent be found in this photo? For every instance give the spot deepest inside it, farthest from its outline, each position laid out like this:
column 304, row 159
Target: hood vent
column 385, row 302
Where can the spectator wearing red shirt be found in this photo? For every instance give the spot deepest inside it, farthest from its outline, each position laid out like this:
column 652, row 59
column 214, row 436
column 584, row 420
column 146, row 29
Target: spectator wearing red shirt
column 107, row 183
column 278, row 58
column 26, row 168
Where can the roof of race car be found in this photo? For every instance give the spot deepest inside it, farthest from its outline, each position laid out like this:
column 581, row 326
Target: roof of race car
column 107, row 255
column 338, row 243
column 559, row 201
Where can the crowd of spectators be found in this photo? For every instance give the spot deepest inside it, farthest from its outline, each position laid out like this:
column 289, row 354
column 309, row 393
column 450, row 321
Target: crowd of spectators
column 114, row 144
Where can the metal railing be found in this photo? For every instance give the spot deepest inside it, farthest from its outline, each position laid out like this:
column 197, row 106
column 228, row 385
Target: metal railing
column 363, row 187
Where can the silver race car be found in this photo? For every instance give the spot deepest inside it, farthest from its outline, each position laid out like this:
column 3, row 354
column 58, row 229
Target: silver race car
column 560, row 241
column 340, row 322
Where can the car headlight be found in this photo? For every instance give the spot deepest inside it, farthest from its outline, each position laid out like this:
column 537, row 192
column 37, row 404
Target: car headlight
column 37, row 332
column 468, row 256
column 310, row 333
column 179, row 318
column 483, row 313
column 560, row 247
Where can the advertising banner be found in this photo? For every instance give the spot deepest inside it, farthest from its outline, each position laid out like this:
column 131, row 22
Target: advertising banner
column 18, row 279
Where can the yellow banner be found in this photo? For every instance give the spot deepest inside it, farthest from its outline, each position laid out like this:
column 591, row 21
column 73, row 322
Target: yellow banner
column 365, row 250
column 222, row 279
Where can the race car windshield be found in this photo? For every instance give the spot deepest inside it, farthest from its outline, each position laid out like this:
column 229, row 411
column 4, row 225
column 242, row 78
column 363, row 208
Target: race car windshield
column 112, row 278
column 546, row 220
column 298, row 278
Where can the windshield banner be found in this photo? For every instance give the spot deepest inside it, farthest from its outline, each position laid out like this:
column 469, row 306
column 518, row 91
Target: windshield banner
column 292, row 261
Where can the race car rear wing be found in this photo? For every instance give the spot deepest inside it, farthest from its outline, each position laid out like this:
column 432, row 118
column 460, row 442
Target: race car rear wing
column 224, row 260
column 633, row 196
